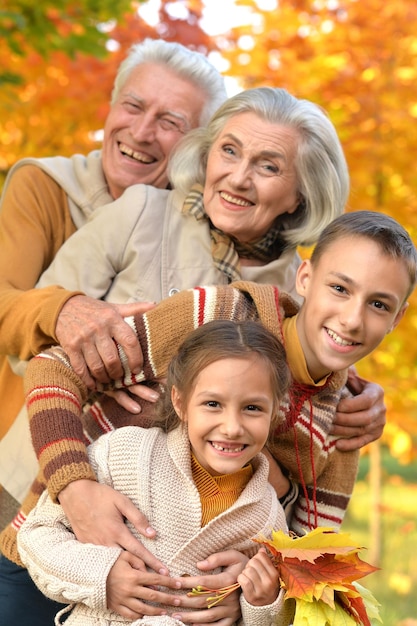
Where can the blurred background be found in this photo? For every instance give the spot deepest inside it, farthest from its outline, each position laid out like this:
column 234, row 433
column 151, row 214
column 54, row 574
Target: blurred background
column 358, row 60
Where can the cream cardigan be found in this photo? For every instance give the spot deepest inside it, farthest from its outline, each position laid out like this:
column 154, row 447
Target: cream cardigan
column 156, row 476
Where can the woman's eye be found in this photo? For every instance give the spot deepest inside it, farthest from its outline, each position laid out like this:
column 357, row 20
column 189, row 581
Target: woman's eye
column 228, row 150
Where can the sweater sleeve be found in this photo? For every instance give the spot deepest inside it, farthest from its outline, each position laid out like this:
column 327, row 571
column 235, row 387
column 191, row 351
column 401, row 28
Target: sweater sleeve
column 54, row 399
column 279, row 613
column 34, row 223
column 63, row 568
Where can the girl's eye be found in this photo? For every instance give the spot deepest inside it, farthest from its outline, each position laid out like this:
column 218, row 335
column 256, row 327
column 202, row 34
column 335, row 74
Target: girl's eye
column 338, row 288
column 212, row 403
column 253, row 407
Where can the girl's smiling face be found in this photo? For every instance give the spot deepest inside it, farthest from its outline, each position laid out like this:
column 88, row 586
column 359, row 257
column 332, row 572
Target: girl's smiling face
column 250, row 176
column 228, row 413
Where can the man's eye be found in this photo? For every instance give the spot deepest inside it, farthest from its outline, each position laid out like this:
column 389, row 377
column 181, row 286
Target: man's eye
column 168, row 124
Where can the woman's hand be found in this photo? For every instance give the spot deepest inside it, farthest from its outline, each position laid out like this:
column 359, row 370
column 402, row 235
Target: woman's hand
column 361, row 419
column 129, row 588
column 87, row 329
column 228, row 611
column 260, row 580
column 96, row 513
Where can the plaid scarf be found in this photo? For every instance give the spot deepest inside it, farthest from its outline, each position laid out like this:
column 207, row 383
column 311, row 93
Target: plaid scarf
column 227, row 250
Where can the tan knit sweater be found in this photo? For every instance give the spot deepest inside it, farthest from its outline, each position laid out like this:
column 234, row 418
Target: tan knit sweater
column 302, row 443
column 156, row 475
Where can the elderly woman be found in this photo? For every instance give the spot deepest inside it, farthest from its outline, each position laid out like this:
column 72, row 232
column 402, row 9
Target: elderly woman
column 266, row 175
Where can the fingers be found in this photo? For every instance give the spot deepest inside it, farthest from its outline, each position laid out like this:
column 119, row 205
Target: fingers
column 260, row 580
column 226, row 613
column 87, row 329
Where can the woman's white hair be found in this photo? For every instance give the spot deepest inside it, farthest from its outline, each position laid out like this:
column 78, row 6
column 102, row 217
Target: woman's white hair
column 320, row 164
column 189, row 65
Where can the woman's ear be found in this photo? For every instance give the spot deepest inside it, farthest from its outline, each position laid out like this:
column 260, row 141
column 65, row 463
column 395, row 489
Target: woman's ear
column 177, row 403
column 303, row 277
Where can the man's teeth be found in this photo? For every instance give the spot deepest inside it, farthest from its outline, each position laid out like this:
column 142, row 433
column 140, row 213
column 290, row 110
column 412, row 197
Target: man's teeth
column 223, row 449
column 234, row 200
column 138, row 156
column 339, row 340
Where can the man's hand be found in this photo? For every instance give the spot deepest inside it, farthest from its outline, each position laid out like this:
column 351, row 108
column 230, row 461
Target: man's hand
column 129, row 402
column 87, row 330
column 96, row 513
column 130, row 589
column 361, row 419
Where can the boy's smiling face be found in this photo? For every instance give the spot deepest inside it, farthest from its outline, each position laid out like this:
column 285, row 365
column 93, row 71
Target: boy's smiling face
column 354, row 296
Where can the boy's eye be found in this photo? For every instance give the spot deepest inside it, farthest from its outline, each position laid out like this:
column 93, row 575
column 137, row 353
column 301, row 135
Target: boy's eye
column 380, row 305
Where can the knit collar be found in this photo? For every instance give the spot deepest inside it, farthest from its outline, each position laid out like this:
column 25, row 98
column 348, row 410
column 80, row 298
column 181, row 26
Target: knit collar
column 227, row 250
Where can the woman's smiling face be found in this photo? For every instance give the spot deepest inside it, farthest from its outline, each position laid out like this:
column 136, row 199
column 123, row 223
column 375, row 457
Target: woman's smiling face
column 251, row 177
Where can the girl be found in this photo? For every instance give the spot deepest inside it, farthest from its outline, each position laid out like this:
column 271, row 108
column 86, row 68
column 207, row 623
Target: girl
column 198, row 476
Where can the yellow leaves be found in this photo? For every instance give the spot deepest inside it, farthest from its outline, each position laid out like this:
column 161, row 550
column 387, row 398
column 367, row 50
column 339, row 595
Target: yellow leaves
column 308, row 548
column 320, row 571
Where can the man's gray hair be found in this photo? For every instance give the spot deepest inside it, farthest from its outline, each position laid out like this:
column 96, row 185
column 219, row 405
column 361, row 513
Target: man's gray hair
column 188, row 64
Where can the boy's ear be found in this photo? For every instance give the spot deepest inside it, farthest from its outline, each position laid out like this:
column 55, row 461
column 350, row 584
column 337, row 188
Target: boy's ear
column 177, row 403
column 399, row 316
column 303, row 277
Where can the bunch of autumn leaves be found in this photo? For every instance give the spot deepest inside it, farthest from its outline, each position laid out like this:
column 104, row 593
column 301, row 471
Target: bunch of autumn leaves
column 319, row 572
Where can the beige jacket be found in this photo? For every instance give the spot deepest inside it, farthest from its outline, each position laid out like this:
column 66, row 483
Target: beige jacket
column 141, row 247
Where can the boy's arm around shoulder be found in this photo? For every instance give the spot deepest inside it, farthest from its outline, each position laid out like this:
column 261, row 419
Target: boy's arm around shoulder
column 54, row 399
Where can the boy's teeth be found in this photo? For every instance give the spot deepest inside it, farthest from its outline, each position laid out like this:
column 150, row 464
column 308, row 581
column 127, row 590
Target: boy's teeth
column 339, row 340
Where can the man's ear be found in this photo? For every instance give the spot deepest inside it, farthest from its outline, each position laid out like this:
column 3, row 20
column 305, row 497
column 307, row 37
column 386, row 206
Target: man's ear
column 303, row 277
column 399, row 316
column 177, row 403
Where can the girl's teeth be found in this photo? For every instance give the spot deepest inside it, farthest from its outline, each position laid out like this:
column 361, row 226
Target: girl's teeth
column 222, row 449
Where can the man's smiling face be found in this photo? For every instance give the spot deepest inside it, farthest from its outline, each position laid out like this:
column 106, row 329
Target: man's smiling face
column 154, row 109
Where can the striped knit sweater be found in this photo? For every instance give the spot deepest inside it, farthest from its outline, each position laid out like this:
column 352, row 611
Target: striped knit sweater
column 55, row 396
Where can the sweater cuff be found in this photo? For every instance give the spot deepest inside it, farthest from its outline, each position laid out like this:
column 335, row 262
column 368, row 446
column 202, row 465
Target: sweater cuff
column 287, row 501
column 279, row 613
